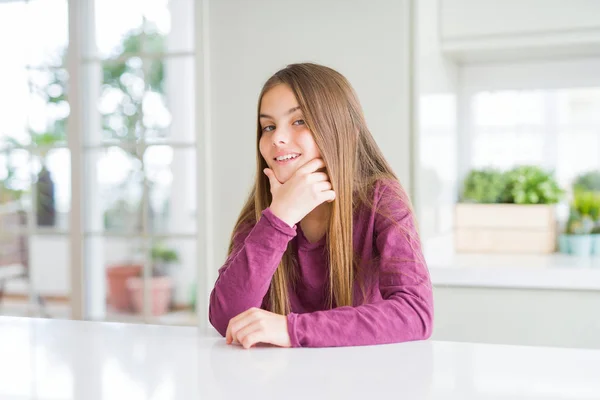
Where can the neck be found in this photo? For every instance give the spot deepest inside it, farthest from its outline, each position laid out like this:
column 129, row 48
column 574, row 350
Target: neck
column 319, row 214
column 314, row 224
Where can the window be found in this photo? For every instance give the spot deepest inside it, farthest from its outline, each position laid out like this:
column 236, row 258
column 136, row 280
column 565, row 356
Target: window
column 556, row 128
column 35, row 170
column 138, row 191
column 139, row 150
column 501, row 115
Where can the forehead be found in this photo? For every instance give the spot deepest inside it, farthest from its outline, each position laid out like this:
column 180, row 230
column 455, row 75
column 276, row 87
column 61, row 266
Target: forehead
column 278, row 100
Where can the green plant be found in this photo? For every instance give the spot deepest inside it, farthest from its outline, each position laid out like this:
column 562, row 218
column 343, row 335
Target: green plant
column 595, row 206
column 162, row 258
column 579, row 224
column 42, row 143
column 164, row 254
column 587, row 203
column 585, row 213
column 483, row 186
column 7, row 194
column 10, row 186
column 589, row 181
column 530, row 184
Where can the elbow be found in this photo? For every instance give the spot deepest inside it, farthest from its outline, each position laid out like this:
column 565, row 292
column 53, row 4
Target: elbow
column 216, row 317
column 425, row 312
column 415, row 315
column 218, row 325
column 421, row 320
column 427, row 320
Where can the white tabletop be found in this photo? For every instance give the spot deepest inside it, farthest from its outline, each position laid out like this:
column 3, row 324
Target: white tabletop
column 57, row 359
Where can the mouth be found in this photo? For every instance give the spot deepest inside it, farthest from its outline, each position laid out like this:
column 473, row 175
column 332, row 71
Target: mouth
column 287, row 158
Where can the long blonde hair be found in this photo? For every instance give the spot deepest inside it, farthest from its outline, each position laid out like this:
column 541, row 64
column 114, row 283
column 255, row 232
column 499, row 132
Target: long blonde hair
column 353, row 161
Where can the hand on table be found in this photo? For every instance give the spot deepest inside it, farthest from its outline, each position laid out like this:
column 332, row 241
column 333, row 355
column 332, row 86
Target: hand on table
column 255, row 326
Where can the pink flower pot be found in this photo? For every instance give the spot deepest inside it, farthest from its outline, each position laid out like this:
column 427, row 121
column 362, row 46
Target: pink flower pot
column 160, row 294
column 117, row 276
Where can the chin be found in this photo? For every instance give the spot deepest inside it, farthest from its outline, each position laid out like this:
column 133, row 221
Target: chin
column 282, row 177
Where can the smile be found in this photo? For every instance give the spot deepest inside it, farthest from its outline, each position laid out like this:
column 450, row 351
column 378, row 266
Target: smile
column 287, row 157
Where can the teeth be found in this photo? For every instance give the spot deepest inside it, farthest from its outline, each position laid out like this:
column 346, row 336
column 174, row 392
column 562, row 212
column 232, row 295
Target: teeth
column 287, row 157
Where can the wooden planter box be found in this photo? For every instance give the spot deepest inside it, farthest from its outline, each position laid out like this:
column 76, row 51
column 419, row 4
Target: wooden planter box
column 505, row 228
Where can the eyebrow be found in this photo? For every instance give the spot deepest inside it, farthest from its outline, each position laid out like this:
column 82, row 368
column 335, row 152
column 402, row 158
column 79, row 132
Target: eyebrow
column 291, row 110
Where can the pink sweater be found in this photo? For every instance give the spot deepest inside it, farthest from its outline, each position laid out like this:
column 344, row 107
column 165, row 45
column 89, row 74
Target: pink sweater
column 395, row 303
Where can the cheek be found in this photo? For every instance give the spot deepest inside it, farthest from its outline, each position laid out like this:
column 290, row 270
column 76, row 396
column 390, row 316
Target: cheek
column 317, row 152
column 310, row 146
column 263, row 147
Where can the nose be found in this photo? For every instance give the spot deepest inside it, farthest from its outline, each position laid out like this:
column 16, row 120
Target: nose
column 281, row 136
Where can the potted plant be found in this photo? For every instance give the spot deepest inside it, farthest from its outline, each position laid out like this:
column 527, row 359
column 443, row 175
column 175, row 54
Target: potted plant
column 579, row 240
column 531, row 184
column 594, row 210
column 485, row 186
column 595, row 233
column 510, row 211
column 583, row 228
column 117, row 276
column 161, row 284
column 591, row 182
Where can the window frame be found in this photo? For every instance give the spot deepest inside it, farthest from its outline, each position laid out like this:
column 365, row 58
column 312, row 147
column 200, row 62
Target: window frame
column 84, row 282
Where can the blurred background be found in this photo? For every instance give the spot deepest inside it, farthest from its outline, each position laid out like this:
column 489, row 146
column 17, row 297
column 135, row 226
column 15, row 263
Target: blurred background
column 127, row 134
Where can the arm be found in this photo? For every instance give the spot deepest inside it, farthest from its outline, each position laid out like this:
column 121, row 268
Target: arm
column 246, row 275
column 405, row 312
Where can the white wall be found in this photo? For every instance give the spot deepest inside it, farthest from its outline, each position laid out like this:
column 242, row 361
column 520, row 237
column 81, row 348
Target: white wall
column 436, row 127
column 475, row 18
column 531, row 75
column 520, row 317
column 368, row 42
column 493, row 30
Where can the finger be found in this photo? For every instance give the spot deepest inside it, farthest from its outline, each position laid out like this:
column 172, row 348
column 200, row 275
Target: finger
column 228, row 337
column 228, row 334
column 245, row 319
column 248, row 329
column 318, row 177
column 328, row 196
column 233, row 321
column 323, row 186
column 231, row 329
column 311, row 166
column 253, row 338
column 273, row 181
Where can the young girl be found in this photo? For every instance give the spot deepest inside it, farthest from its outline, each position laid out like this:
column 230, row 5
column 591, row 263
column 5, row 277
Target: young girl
column 325, row 251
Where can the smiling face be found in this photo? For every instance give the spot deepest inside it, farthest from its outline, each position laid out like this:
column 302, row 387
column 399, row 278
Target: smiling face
column 286, row 143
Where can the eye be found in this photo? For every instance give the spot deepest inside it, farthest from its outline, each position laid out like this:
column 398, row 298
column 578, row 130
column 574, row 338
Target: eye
column 268, row 128
column 299, row 122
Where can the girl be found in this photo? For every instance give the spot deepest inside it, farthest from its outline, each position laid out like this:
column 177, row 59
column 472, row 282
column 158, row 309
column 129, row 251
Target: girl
column 325, row 251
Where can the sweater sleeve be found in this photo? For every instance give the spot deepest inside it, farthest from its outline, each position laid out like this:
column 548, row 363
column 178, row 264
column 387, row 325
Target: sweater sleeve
column 245, row 277
column 404, row 313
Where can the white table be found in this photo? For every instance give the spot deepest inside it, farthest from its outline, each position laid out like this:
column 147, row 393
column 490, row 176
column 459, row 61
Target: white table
column 57, row 359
